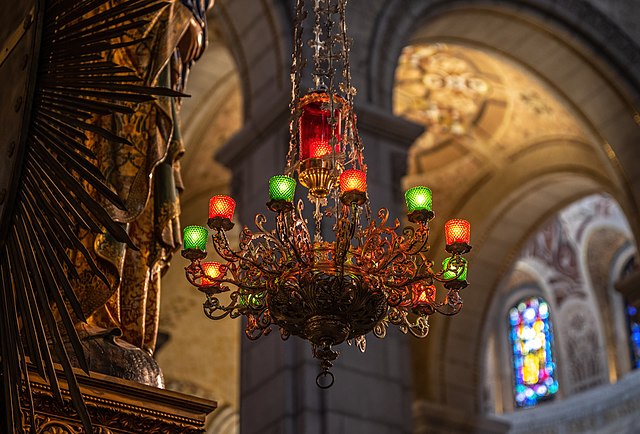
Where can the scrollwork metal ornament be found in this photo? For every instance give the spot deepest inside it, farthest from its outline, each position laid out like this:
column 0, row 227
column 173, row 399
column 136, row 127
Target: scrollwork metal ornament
column 367, row 276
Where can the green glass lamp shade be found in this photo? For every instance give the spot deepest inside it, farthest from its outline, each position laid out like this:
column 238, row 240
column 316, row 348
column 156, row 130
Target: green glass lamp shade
column 282, row 187
column 451, row 274
column 251, row 300
column 195, row 237
column 418, row 198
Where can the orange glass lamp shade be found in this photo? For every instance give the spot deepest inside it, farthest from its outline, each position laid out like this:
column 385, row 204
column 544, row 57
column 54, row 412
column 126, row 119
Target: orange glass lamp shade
column 457, row 231
column 212, row 272
column 314, row 129
column 221, row 206
column 353, row 180
column 195, row 237
column 423, row 294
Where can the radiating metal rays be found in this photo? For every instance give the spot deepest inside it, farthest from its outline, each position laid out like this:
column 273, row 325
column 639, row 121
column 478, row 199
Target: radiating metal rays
column 75, row 81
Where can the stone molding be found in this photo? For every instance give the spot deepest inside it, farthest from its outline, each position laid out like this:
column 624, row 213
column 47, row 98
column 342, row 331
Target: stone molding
column 429, row 418
column 116, row 406
column 597, row 32
column 601, row 410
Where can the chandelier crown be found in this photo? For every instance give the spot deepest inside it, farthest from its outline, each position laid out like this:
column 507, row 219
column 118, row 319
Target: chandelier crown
column 366, row 276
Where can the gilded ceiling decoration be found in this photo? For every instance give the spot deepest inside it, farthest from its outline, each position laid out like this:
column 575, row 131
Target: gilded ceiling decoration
column 479, row 111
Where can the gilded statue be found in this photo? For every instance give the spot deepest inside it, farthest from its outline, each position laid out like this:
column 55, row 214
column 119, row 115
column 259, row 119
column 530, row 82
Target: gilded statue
column 146, row 176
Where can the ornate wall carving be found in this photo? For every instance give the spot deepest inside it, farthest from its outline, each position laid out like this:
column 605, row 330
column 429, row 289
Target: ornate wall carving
column 583, row 348
column 116, row 407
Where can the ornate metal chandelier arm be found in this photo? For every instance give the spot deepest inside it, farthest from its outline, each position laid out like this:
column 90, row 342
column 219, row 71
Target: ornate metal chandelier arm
column 419, row 328
column 405, row 251
column 451, row 305
column 212, row 305
column 398, row 296
column 456, row 265
column 419, row 241
column 258, row 324
column 222, row 248
column 346, row 232
column 285, row 234
column 373, row 233
column 411, row 279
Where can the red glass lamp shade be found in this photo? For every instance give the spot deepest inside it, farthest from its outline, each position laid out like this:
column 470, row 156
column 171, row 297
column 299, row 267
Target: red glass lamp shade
column 222, row 206
column 423, row 295
column 314, row 129
column 353, row 180
column 212, row 271
column 457, row 231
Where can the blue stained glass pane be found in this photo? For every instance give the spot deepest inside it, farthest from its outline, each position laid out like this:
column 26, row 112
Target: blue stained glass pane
column 533, row 364
column 634, row 337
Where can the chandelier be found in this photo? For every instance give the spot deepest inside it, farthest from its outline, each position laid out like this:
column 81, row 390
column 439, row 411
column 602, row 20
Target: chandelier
column 346, row 274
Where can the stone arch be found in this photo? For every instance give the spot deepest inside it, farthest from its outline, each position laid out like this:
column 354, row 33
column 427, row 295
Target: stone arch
column 257, row 33
column 548, row 40
column 399, row 21
column 594, row 235
column 453, row 353
column 201, row 357
column 607, row 249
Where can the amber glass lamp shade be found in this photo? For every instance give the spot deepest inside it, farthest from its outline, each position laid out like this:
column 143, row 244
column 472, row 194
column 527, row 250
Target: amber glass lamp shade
column 314, row 129
column 353, row 180
column 423, row 294
column 418, row 199
column 282, row 187
column 212, row 272
column 195, row 237
column 454, row 271
column 222, row 206
column 457, row 231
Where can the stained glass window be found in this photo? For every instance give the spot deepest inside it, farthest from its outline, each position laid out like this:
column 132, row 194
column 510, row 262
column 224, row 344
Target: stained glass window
column 634, row 336
column 632, row 318
column 532, row 342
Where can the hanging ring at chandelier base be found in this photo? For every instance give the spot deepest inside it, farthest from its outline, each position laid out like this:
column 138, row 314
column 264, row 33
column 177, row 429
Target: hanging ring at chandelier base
column 325, row 379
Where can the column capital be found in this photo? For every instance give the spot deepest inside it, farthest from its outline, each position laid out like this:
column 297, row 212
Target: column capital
column 378, row 122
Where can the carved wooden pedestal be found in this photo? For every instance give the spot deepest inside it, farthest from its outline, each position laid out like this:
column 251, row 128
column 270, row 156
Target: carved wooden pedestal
column 118, row 406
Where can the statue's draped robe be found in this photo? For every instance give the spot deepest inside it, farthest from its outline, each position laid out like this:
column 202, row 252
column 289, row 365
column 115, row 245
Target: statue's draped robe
column 146, row 177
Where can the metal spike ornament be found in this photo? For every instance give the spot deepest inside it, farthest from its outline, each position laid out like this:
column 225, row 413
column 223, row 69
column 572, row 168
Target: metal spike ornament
column 364, row 278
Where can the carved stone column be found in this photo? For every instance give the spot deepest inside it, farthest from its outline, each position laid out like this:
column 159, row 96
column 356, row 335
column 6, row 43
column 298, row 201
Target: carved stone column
column 117, row 407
